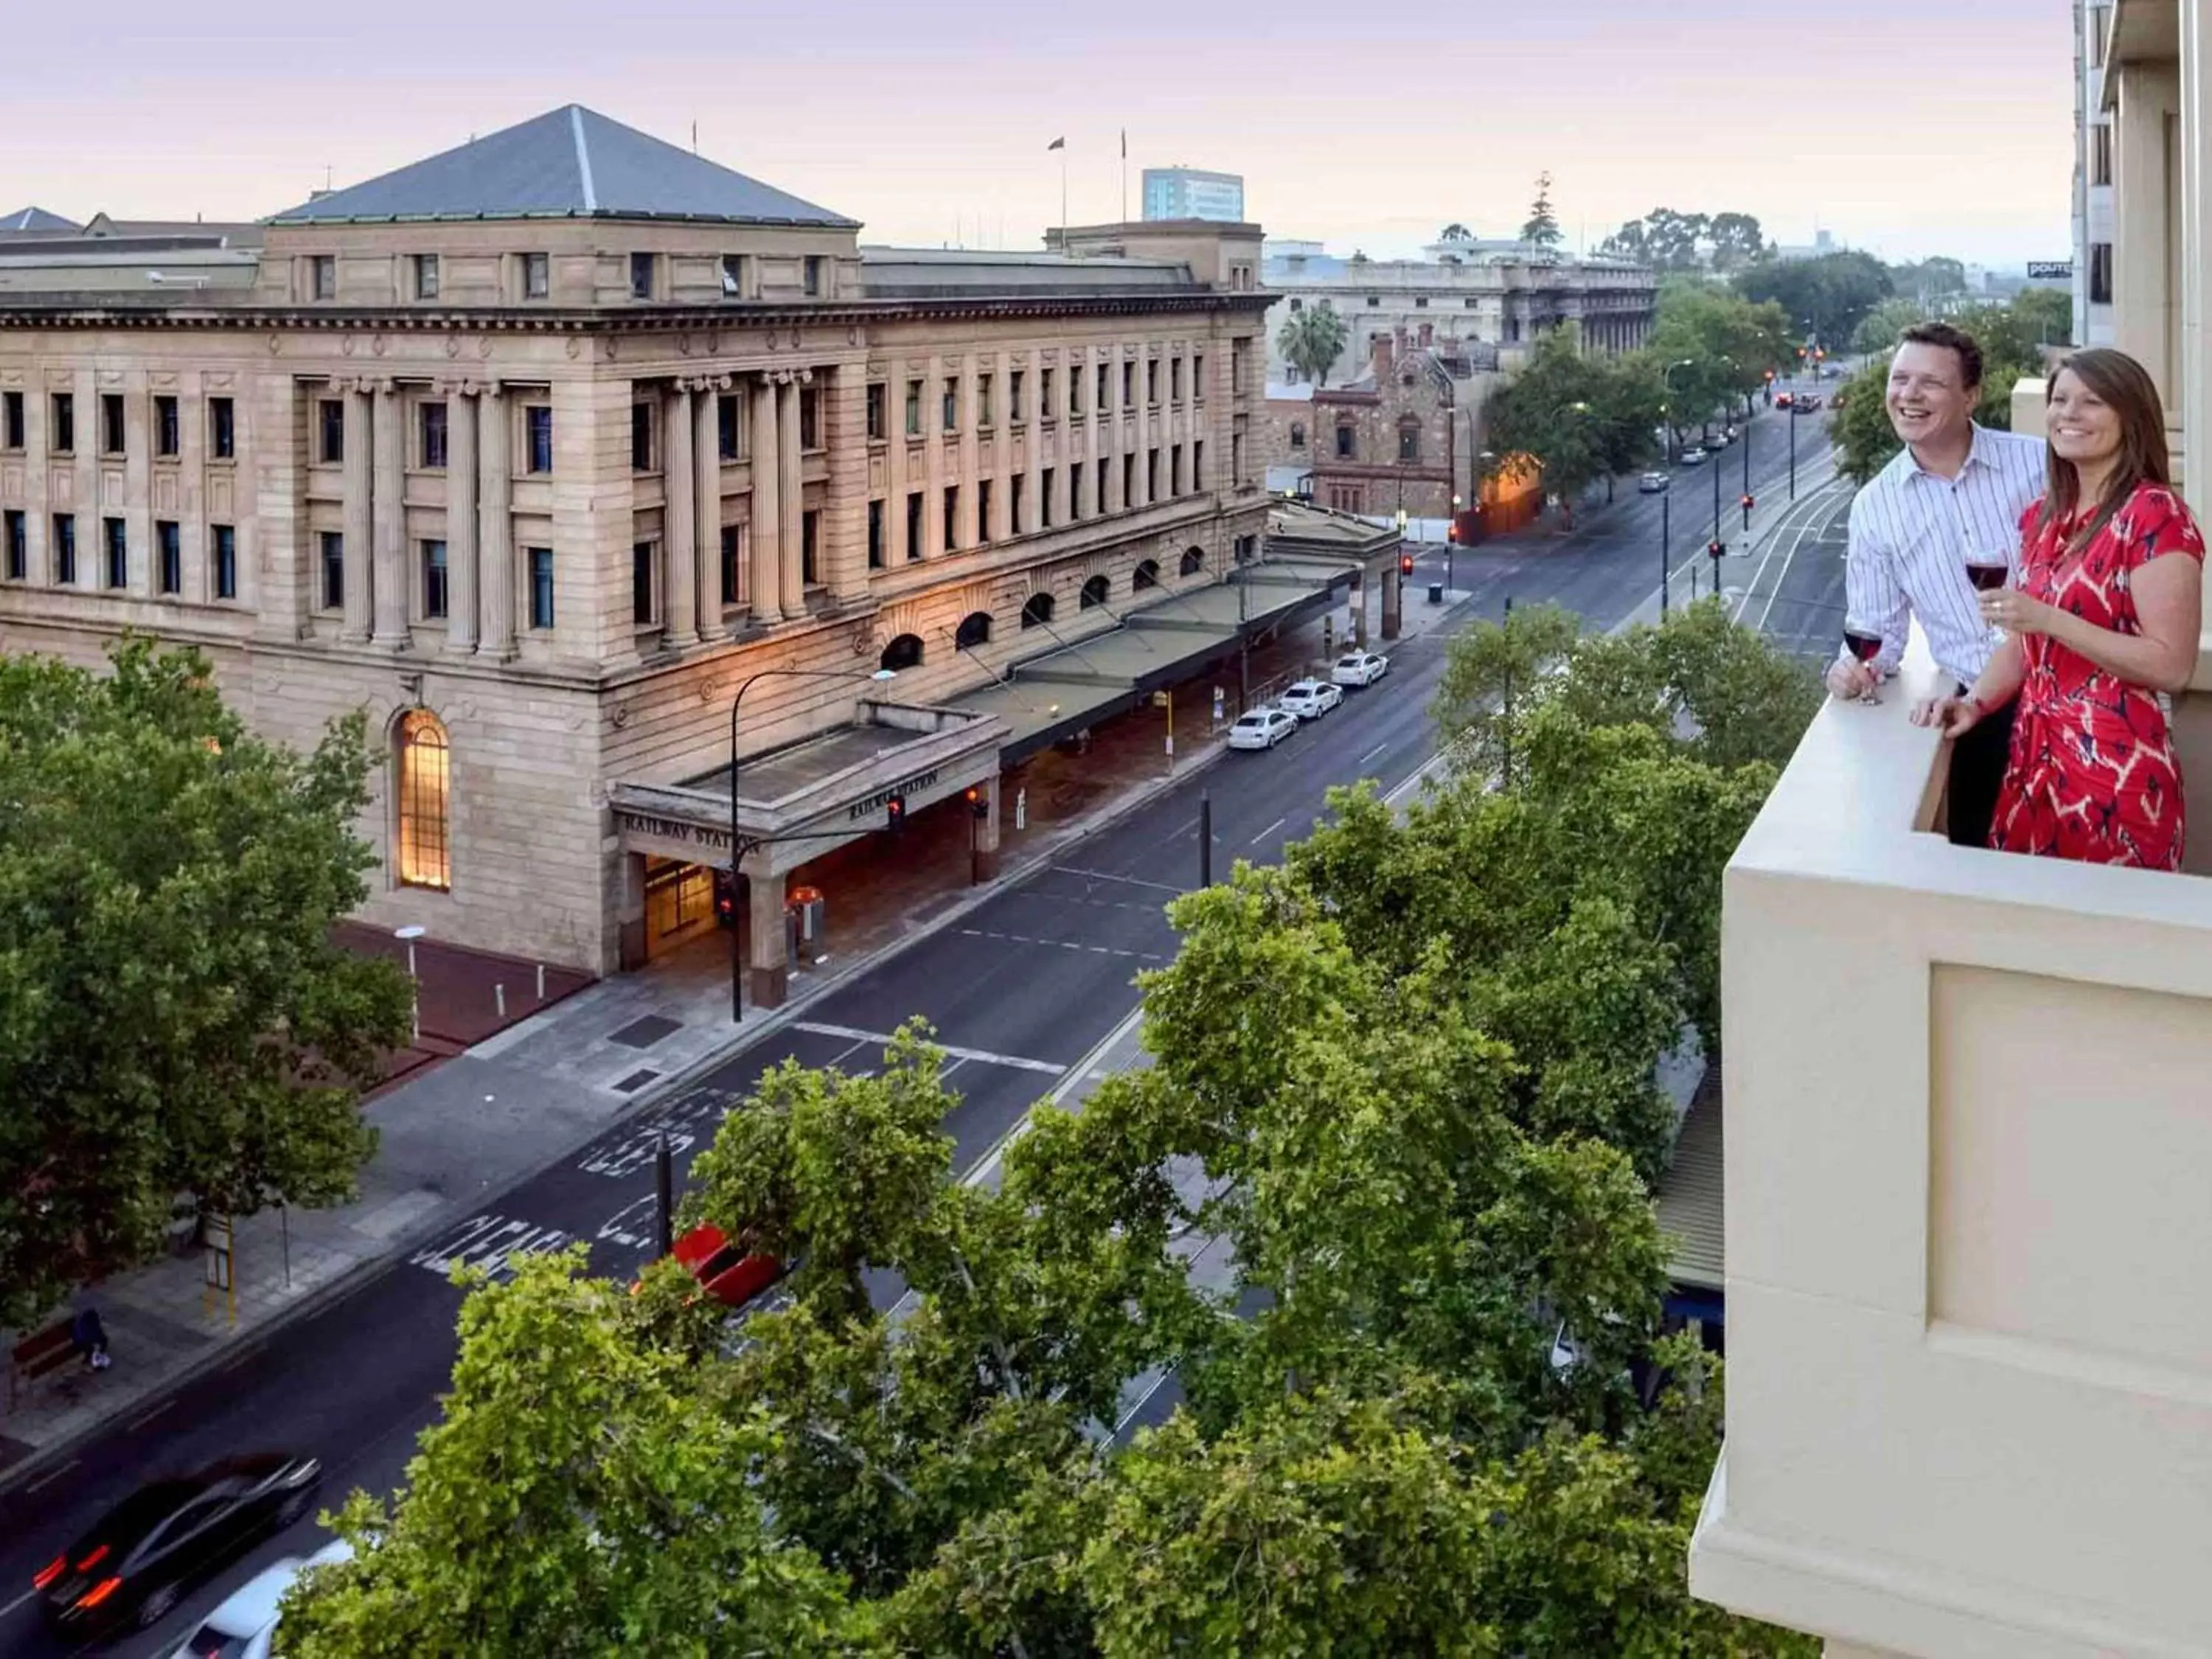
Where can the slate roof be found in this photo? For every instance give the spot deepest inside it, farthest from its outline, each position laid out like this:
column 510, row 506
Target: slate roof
column 569, row 163
column 36, row 218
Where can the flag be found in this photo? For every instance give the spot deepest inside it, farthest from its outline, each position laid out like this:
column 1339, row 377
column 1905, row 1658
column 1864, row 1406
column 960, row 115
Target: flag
column 1057, row 143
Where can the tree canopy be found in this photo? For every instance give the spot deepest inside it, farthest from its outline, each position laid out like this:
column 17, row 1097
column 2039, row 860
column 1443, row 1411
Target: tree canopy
column 1689, row 241
column 173, row 1016
column 1825, row 297
column 1312, row 339
column 1542, row 231
column 1577, row 418
column 1713, row 346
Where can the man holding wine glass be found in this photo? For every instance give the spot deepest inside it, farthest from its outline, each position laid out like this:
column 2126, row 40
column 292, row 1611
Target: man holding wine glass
column 1939, row 522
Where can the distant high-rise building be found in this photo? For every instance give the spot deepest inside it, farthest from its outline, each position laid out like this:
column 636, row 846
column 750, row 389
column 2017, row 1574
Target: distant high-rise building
column 2092, row 177
column 1188, row 193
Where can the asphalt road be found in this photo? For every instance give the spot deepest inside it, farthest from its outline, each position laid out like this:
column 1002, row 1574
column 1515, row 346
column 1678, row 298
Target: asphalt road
column 1019, row 989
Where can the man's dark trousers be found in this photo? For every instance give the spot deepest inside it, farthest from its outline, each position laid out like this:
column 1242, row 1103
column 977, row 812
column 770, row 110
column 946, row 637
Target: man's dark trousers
column 1978, row 767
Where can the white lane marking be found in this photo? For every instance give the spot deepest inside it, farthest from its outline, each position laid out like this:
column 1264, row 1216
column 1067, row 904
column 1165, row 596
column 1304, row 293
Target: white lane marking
column 1268, row 831
column 1105, row 875
column 882, row 1039
column 144, row 1417
column 1371, row 754
column 1782, row 578
column 492, row 1242
column 26, row 1596
column 51, row 1475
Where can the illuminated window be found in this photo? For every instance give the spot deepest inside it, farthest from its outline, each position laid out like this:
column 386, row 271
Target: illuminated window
column 425, row 780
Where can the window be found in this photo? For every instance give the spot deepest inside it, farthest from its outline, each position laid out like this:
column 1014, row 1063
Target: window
column 166, row 432
column 1093, row 594
column 333, row 546
column 1017, row 412
column 65, row 549
column 2101, row 273
column 1045, row 405
column 1153, row 381
column 875, row 535
column 1420, row 302
column 117, row 547
column 641, row 275
column 1128, row 385
column 1236, row 461
column 902, row 653
column 950, row 422
column 733, row 276
column 541, row 586
column 878, row 415
column 1297, row 434
column 426, row 276
column 810, row 549
column 1102, row 394
column 2101, row 153
column 331, row 414
column 1147, row 574
column 641, row 561
column 1128, row 482
column 975, row 629
column 1152, row 475
column 1074, row 491
column 11, row 420
column 1193, row 561
column 433, row 582
column 168, row 544
column 1175, row 469
column 223, row 429
column 810, row 417
column 1297, row 305
column 1347, row 443
column 951, row 518
column 640, row 439
column 982, row 512
column 1018, row 506
column 913, row 409
column 1047, row 494
column 2099, row 22
column 226, row 560
column 1074, row 392
column 1198, row 465
column 112, row 435
column 733, row 555
column 1099, row 487
column 323, row 276
column 913, row 549
column 983, row 420
column 1198, row 378
column 425, row 782
column 729, row 430
column 1468, row 302
column 811, row 275
column 432, row 422
column 1174, row 379
column 538, row 420
column 19, row 546
column 1037, row 612
column 1240, row 359
column 1374, row 299
column 62, row 439
column 537, row 275
column 1409, row 440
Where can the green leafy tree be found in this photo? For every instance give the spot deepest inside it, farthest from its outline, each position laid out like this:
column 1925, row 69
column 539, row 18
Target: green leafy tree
column 1662, row 237
column 1879, row 329
column 1714, row 348
column 1542, row 230
column 1454, row 232
column 1550, row 414
column 1737, row 239
column 1312, row 340
column 173, row 1016
column 1828, row 296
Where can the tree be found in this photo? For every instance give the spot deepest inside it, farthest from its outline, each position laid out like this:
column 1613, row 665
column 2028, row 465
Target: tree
column 1879, row 329
column 1548, row 415
column 1690, row 241
column 1737, row 241
column 1542, row 231
column 173, row 1016
column 1312, row 340
column 1827, row 296
column 1714, row 346
column 1454, row 232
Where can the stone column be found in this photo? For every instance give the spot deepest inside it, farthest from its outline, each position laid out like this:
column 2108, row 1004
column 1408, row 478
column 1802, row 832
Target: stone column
column 461, row 526
column 896, row 442
column 706, row 512
column 983, row 849
column 680, row 540
column 496, row 525
column 388, row 582
column 356, row 527
column 630, row 934
column 790, row 492
column 933, row 458
column 196, row 584
column 768, row 951
column 1393, row 596
column 1033, row 440
column 767, row 508
column 1109, row 499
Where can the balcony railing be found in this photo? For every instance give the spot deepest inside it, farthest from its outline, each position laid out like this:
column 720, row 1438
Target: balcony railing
column 1969, row 1236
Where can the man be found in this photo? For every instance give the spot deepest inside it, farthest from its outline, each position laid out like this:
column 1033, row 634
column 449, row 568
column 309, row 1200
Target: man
column 1956, row 492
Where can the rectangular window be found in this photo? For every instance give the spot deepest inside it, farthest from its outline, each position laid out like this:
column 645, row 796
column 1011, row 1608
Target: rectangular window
column 952, row 406
column 19, row 547
column 733, row 276
column 732, row 552
column 913, row 409
column 432, row 421
column 875, row 535
column 982, row 512
column 811, row 275
column 541, row 586
column 65, row 549
column 1198, row 465
column 323, row 276
column 223, row 429
column 1409, row 444
column 2100, row 21
column 118, row 546
column 1046, row 496
column 168, row 544
column 1102, row 395
column 810, row 418
column 1175, row 469
column 537, row 420
column 878, row 415
column 641, row 275
column 952, row 526
column 2101, row 153
column 1174, row 379
column 332, row 445
column 727, row 427
column 11, row 420
column 1240, row 355
column 1236, row 461
column 62, row 439
column 167, row 435
column 1153, row 381
column 112, row 436
column 537, row 275
column 225, row 537
column 810, row 549
column 1152, row 475
column 433, row 582
column 1420, row 302
column 1128, row 482
column 1074, row 392
column 641, row 582
column 640, row 438
column 1017, row 412
column 1128, row 386
column 983, row 402
column 914, row 510
column 1344, row 443
column 1198, row 378
column 333, row 570
column 1099, row 487
column 1044, row 393
column 426, row 276
column 2101, row 273
column 1020, row 503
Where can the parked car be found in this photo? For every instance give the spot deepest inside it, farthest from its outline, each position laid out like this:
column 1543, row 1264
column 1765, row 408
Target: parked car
column 1651, row 483
column 1807, row 402
column 1359, row 668
column 1694, row 458
column 730, row 1276
column 1261, row 728
column 245, row 1626
column 1310, row 698
column 143, row 1554
column 1783, row 399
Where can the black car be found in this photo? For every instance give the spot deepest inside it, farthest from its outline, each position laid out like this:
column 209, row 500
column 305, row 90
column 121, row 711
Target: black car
column 146, row 1551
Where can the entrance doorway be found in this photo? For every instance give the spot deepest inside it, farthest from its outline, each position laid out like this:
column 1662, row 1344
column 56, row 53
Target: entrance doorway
column 679, row 904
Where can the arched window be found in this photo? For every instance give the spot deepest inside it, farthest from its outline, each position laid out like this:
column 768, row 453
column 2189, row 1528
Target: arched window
column 1347, row 443
column 975, row 629
column 1193, row 561
column 1038, row 610
column 425, row 786
column 1147, row 574
column 1297, row 434
column 904, row 651
column 1409, row 439
column 1093, row 595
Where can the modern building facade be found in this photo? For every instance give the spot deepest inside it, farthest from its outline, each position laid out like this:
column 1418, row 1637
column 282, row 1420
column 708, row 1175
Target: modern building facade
column 2093, row 178
column 1193, row 193
column 541, row 449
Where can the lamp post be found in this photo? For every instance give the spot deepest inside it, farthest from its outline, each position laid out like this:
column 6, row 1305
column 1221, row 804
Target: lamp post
column 737, row 849
column 1451, row 547
column 1667, row 382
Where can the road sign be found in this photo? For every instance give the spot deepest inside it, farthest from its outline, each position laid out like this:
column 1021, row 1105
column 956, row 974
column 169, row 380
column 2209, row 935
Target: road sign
column 1159, row 699
column 2049, row 270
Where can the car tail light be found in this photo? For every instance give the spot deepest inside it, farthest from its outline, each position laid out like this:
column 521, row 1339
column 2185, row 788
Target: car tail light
column 53, row 1570
column 92, row 1559
column 100, row 1592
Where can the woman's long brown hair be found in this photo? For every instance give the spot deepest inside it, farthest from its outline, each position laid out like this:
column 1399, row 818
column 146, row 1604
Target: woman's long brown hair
column 2124, row 386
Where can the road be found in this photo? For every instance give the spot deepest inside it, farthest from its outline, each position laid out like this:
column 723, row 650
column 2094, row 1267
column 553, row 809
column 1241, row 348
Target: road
column 1019, row 990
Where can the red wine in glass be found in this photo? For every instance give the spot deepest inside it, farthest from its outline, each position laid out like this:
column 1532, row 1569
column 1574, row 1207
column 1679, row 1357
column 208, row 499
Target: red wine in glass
column 1985, row 577
column 1864, row 648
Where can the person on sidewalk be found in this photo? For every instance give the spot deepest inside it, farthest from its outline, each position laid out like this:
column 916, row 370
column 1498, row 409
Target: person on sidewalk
column 1953, row 496
column 89, row 1337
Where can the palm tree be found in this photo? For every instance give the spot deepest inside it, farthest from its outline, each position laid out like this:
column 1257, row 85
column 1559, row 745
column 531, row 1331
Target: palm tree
column 1454, row 232
column 1312, row 340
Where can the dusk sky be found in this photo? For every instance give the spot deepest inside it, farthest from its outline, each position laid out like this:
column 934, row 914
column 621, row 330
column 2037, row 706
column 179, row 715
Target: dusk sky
column 1910, row 127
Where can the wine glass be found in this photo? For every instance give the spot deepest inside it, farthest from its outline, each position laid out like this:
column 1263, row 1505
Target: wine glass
column 1864, row 645
column 1987, row 575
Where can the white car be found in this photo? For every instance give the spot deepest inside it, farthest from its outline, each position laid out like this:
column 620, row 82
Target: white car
column 1359, row 668
column 1310, row 698
column 1694, row 458
column 1262, row 728
column 244, row 1626
column 1651, row 483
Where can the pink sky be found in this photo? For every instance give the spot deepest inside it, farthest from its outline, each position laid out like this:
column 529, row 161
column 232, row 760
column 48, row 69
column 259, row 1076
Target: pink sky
column 1908, row 126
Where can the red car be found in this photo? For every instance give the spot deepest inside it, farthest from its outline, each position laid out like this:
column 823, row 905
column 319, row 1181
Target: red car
column 731, row 1277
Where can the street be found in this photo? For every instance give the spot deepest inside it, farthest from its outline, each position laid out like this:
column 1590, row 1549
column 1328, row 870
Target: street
column 1018, row 990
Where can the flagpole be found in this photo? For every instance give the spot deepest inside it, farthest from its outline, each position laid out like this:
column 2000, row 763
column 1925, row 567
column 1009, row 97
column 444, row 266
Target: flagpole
column 1125, row 175
column 1063, row 198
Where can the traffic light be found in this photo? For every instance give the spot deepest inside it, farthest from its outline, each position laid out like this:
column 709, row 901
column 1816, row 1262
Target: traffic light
column 895, row 814
column 1770, row 375
column 1746, row 509
column 1714, row 551
column 979, row 802
column 1405, row 564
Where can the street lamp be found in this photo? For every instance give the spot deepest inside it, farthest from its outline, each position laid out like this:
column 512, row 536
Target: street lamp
column 1667, row 407
column 737, row 849
column 1451, row 547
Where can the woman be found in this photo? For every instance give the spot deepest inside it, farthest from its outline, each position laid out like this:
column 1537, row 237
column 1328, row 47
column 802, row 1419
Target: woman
column 2105, row 619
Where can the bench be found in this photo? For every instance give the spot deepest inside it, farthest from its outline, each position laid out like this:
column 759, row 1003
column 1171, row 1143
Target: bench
column 36, row 1355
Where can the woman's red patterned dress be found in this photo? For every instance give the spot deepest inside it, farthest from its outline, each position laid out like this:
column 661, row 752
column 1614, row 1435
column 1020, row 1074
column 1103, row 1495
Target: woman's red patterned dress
column 2092, row 775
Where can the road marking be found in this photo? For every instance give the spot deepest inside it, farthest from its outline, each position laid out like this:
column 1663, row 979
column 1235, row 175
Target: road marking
column 883, row 1040
column 26, row 1596
column 1103, row 875
column 1268, row 831
column 1145, row 1400
column 51, row 1475
column 144, row 1417
column 1371, row 754
column 492, row 1242
column 1823, row 516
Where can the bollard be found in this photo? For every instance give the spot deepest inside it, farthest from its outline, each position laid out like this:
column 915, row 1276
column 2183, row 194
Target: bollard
column 664, row 1189
column 499, row 995
column 1022, row 808
column 1204, row 838
column 541, row 982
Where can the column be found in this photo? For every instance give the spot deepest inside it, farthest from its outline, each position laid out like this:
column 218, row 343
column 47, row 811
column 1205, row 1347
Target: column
column 679, row 541
column 197, row 585
column 136, row 506
column 896, row 442
column 790, row 496
column 1109, row 499
column 1002, row 449
column 630, row 914
column 767, row 508
column 1033, row 438
column 968, row 469
column 983, row 849
column 494, row 526
column 933, row 459
column 388, row 581
column 767, row 950
column 707, row 511
column 356, row 521
column 461, row 526
column 1393, row 595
